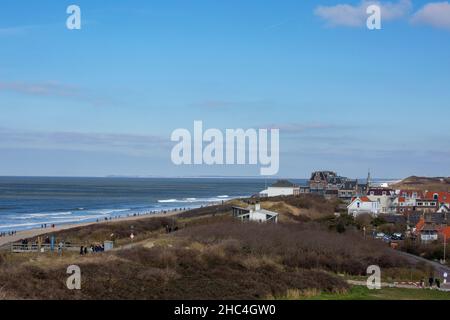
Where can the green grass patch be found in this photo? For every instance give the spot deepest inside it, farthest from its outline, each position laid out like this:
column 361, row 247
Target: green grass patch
column 363, row 293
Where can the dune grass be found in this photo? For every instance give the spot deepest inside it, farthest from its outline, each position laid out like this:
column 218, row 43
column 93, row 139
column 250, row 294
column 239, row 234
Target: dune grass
column 363, row 293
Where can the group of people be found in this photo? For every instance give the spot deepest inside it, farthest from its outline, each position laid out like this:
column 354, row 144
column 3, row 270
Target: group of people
column 44, row 226
column 93, row 248
column 170, row 229
column 9, row 233
column 431, row 282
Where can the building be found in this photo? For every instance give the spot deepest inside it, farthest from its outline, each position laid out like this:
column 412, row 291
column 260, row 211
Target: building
column 360, row 205
column 429, row 233
column 280, row 188
column 440, row 197
column 410, row 194
column 348, row 190
column 404, row 205
column 319, row 181
column 255, row 213
column 329, row 184
column 426, row 230
column 385, row 197
column 427, row 205
column 443, row 209
column 304, row 190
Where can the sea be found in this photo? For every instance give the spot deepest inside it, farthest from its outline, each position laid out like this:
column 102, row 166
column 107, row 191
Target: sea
column 29, row 202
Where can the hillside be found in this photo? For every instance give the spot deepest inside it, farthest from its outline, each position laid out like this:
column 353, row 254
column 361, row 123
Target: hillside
column 209, row 255
column 424, row 183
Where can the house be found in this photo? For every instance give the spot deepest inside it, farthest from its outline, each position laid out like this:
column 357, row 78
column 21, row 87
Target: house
column 404, row 205
column 360, row 205
column 280, row 188
column 410, row 194
column 381, row 191
column 427, row 205
column 304, row 189
column 443, row 209
column 427, row 230
column 255, row 213
column 348, row 190
column 385, row 197
column 329, row 184
column 440, row 196
column 318, row 182
column 432, row 226
column 429, row 233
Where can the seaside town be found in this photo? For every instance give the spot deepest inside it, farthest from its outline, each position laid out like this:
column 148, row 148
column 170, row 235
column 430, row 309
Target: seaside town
column 422, row 212
column 331, row 222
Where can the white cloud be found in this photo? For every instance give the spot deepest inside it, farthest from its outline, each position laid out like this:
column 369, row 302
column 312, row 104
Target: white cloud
column 125, row 143
column 355, row 15
column 436, row 14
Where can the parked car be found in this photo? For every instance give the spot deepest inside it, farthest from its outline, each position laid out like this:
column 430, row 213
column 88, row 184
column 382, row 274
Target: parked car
column 379, row 235
column 397, row 236
column 387, row 238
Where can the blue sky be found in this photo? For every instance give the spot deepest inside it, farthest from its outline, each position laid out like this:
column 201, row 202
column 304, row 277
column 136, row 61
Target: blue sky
column 104, row 100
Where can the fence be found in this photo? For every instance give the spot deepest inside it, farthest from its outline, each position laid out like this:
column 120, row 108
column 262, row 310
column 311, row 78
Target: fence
column 24, row 248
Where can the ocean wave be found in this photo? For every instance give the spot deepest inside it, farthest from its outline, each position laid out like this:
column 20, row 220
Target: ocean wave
column 168, row 201
column 108, row 211
column 42, row 215
column 197, row 200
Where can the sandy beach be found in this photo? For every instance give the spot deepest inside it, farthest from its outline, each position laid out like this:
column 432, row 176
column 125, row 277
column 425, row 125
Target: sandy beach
column 25, row 234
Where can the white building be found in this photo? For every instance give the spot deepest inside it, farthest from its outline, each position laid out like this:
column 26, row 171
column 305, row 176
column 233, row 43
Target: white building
column 360, row 205
column 280, row 188
column 255, row 213
column 443, row 209
column 385, row 197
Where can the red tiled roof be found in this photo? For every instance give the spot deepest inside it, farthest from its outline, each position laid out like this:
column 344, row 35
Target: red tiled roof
column 445, row 232
column 362, row 199
column 420, row 224
column 442, row 196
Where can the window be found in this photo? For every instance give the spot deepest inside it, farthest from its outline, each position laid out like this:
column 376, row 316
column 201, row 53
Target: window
column 358, row 204
column 435, row 196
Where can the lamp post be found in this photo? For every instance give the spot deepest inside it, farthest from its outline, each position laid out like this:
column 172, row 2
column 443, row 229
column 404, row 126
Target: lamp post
column 445, row 242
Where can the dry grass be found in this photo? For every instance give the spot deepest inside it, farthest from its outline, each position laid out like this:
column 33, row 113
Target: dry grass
column 212, row 257
column 424, row 183
column 295, row 208
column 121, row 231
